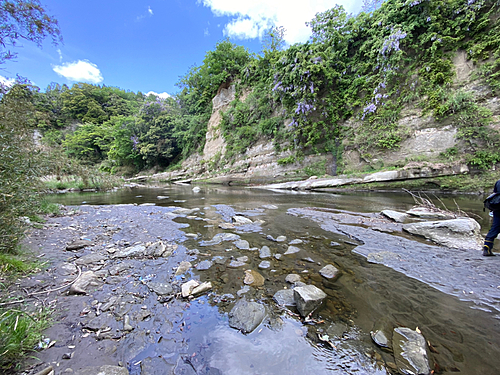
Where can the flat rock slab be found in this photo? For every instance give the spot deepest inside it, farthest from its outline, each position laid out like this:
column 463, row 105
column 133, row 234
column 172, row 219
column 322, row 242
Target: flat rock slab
column 463, row 233
column 246, row 316
column 132, row 251
column 91, row 258
column 410, row 351
column 425, row 213
column 447, row 270
column 398, row 217
column 102, row 370
column 84, row 282
column 308, row 298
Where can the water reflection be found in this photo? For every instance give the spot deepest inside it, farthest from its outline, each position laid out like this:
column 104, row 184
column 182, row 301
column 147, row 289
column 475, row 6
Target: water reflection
column 464, row 340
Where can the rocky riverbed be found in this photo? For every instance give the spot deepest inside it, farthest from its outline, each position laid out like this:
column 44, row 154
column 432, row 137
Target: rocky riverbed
column 144, row 289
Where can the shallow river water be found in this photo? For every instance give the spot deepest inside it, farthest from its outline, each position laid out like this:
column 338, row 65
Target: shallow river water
column 463, row 339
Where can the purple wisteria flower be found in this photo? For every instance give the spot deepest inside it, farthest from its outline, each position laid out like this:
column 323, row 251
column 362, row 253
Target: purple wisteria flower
column 391, row 43
column 135, row 142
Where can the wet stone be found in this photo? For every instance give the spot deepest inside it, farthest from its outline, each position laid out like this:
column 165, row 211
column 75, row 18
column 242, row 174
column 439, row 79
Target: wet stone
column 227, row 236
column 219, row 259
column 241, row 220
column 183, row 267
column 243, row 290
column 264, row 252
column 68, row 269
column 102, row 370
column 226, row 226
column 118, row 268
column 308, row 298
column 398, row 217
column 187, row 288
column 90, row 259
column 204, row 265
column 295, row 242
column 156, row 366
column 246, row 316
column 281, row 239
column 253, row 278
column 292, row 250
column 265, row 264
column 242, row 245
column 410, row 351
column 160, row 288
column 79, row 244
column 329, row 272
column 284, row 297
column 292, row 278
column 236, row 264
column 132, row 251
column 242, row 259
column 308, row 259
column 333, row 243
column 83, row 284
column 278, row 256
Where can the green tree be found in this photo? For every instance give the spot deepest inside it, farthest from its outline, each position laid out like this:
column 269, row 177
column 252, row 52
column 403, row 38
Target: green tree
column 24, row 20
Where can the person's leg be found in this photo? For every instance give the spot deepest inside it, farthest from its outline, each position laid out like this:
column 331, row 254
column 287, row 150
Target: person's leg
column 492, row 234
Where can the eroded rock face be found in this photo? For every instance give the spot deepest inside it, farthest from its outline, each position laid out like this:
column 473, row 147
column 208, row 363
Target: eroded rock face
column 246, row 316
column 462, row 233
column 410, row 351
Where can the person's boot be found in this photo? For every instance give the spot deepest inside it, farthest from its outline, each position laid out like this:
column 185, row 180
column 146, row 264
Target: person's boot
column 487, row 249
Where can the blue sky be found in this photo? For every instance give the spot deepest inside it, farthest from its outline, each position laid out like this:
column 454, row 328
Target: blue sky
column 147, row 45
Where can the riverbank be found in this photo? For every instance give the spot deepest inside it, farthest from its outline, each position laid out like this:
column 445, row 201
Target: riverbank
column 129, row 313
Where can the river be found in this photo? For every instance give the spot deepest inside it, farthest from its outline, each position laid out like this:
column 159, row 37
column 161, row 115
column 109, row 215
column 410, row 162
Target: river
column 463, row 338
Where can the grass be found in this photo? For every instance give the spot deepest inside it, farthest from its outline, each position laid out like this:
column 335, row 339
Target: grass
column 20, row 328
column 20, row 332
column 99, row 181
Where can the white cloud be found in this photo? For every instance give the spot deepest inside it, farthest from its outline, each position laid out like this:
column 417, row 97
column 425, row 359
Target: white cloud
column 150, row 11
column 162, row 95
column 79, row 71
column 60, row 55
column 9, row 82
column 251, row 19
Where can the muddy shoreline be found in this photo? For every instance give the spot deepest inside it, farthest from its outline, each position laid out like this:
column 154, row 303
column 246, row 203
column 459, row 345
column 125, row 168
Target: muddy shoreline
column 123, row 321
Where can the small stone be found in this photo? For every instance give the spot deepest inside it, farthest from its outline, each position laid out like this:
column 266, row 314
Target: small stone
column 308, row 259
column 329, row 272
column 246, row 316
column 226, row 226
column 204, row 265
column 202, row 288
column 241, row 220
column 242, row 244
column 243, row 290
column 187, row 288
column 278, row 256
column 242, row 259
column 292, row 278
column 236, row 264
column 183, row 267
column 264, row 252
column 265, row 264
column 308, row 298
column 253, row 278
column 284, row 297
column 67, row 355
column 292, row 250
column 79, row 244
column 333, row 243
column 295, row 242
column 126, row 324
column 281, row 239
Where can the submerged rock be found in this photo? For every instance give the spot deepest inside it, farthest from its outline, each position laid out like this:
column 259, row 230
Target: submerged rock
column 204, row 265
column 265, row 264
column 308, row 298
column 281, row 239
column 410, row 351
column 264, row 252
column 242, row 245
column 253, row 278
column 292, row 278
column 292, row 250
column 295, row 242
column 241, row 220
column 329, row 272
column 463, row 233
column 246, row 316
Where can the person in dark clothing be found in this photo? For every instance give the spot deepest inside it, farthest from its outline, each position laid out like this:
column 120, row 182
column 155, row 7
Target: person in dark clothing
column 495, row 228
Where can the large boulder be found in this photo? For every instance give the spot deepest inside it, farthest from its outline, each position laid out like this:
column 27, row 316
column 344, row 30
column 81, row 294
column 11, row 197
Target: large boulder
column 246, row 316
column 462, row 233
column 308, row 298
column 410, row 351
